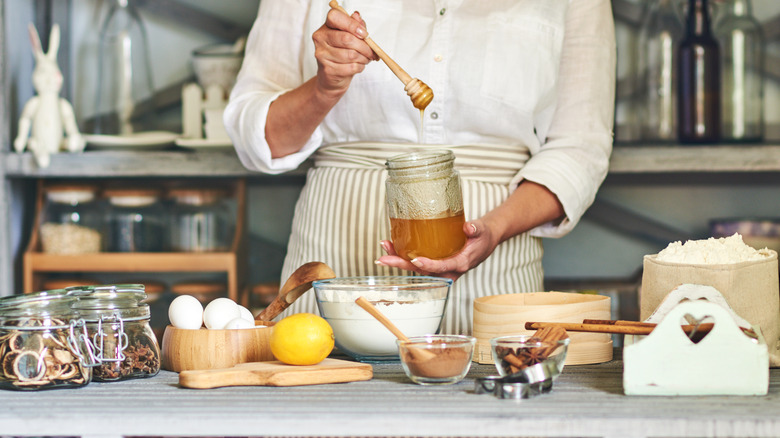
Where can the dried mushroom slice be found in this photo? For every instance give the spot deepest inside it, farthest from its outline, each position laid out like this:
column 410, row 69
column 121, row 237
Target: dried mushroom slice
column 69, row 372
column 62, row 356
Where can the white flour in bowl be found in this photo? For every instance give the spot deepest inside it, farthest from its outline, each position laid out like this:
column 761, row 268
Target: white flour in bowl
column 712, row 251
column 361, row 334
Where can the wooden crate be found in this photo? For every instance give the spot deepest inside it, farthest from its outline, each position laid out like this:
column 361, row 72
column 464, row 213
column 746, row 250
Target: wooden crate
column 232, row 262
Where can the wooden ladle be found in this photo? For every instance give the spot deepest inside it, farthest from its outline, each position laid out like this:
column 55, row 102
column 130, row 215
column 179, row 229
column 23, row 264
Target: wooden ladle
column 418, row 353
column 420, row 93
column 299, row 282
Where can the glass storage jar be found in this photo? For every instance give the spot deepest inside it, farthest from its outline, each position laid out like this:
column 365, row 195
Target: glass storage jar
column 425, row 204
column 70, row 221
column 118, row 326
column 201, row 220
column 42, row 343
column 136, row 221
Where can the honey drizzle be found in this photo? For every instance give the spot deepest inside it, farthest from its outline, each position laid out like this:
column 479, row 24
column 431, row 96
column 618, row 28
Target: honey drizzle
column 422, row 123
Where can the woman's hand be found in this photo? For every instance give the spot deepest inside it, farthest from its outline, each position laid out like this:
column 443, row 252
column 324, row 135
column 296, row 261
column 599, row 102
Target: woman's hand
column 480, row 243
column 530, row 205
column 340, row 51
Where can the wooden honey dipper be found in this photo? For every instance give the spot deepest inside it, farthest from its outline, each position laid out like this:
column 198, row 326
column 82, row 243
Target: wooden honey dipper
column 420, row 93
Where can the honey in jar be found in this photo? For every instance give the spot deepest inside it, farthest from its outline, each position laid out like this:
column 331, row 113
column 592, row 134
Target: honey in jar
column 425, row 204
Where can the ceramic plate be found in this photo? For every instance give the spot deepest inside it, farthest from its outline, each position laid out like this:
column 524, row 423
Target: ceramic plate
column 149, row 140
column 204, row 143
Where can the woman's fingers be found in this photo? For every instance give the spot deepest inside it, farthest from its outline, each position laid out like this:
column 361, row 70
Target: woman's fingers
column 349, row 33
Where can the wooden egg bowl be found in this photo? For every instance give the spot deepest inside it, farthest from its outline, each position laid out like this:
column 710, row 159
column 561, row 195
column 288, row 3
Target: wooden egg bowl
column 203, row 349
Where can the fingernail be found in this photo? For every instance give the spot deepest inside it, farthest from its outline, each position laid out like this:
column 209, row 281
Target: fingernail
column 361, row 32
column 383, row 245
column 377, row 262
column 417, row 263
column 473, row 228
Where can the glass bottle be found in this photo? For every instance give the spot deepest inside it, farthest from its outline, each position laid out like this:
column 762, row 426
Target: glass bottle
column 659, row 37
column 742, row 49
column 117, row 322
column 125, row 90
column 698, row 81
column 70, row 223
column 425, row 205
column 201, row 220
column 136, row 221
column 42, row 343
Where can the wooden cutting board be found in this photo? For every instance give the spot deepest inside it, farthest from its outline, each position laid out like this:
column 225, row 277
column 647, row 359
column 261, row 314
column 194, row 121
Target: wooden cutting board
column 276, row 373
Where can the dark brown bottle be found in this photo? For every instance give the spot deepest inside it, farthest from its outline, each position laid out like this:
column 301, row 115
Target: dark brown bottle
column 698, row 103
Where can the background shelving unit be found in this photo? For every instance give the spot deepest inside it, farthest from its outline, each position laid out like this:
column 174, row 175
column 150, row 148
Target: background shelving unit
column 631, row 164
column 232, row 262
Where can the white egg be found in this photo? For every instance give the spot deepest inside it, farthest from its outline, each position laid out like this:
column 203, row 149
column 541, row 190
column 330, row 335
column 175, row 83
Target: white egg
column 246, row 314
column 218, row 312
column 239, row 323
column 186, row 312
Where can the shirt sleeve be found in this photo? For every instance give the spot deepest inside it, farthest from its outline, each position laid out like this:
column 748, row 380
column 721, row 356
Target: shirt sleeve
column 272, row 66
column 574, row 159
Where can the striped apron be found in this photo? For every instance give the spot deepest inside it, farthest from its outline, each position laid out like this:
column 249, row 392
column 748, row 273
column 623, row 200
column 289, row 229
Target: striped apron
column 341, row 216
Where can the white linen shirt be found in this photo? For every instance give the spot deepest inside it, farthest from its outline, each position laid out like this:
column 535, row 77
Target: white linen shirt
column 539, row 74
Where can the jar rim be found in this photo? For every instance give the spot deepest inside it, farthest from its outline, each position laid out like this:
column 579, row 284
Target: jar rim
column 73, row 196
column 196, row 196
column 45, row 304
column 108, row 296
column 420, row 158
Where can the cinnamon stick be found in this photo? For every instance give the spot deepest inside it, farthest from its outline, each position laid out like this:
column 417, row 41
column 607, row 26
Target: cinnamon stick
column 593, row 328
column 548, row 337
column 624, row 327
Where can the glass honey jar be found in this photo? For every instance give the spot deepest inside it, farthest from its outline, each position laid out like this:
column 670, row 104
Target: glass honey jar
column 121, row 336
column 43, row 343
column 425, row 204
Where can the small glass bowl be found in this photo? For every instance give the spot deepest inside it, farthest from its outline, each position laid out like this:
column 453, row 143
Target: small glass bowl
column 436, row 359
column 507, row 350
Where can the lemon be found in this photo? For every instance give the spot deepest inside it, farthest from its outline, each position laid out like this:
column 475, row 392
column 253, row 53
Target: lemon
column 302, row 339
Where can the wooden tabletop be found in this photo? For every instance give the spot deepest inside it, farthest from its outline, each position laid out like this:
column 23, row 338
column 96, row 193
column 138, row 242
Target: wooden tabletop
column 586, row 400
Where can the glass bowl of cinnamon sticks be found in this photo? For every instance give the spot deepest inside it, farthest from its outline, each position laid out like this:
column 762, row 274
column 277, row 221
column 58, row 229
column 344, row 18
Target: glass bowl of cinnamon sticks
column 512, row 354
column 436, row 359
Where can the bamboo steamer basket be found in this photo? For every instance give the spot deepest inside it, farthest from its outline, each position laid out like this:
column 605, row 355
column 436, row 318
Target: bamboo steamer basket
column 204, row 349
column 506, row 314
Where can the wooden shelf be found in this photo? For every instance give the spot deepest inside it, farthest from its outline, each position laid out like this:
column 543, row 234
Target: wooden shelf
column 626, row 160
column 648, row 159
column 96, row 164
column 134, row 262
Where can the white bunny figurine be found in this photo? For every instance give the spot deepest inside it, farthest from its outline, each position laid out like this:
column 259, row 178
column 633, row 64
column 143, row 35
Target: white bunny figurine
column 47, row 113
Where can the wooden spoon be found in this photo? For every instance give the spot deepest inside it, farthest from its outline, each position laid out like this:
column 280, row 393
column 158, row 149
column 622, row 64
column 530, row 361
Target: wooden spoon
column 419, row 353
column 420, row 93
column 299, row 282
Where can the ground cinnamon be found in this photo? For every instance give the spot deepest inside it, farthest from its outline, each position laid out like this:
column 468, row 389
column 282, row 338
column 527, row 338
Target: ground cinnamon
column 443, row 363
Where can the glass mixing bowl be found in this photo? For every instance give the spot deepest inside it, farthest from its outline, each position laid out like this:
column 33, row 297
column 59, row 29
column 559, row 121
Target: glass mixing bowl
column 415, row 304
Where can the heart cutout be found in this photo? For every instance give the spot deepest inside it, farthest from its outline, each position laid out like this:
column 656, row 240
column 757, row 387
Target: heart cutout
column 696, row 329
